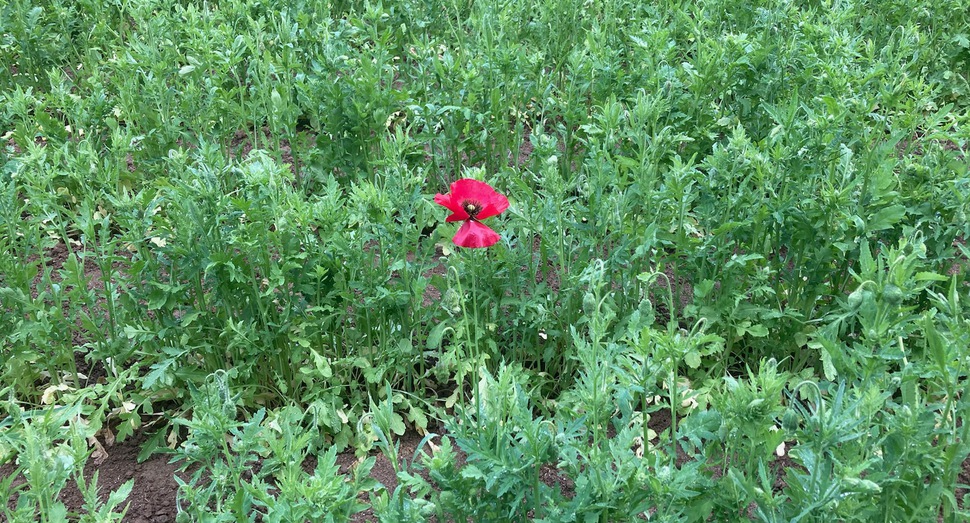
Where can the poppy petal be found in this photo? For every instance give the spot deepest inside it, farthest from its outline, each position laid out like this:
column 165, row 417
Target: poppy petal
column 475, row 234
column 492, row 202
column 493, row 205
column 469, row 188
column 453, row 205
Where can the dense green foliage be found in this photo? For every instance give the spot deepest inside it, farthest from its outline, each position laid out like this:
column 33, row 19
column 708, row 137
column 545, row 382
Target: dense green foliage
column 748, row 216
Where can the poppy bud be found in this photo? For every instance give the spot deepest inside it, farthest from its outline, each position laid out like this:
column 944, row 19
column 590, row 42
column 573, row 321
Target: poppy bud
column 892, row 294
column 589, row 304
column 855, row 299
column 790, row 420
column 451, row 302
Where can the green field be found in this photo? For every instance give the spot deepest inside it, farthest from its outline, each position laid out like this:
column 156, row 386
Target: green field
column 728, row 286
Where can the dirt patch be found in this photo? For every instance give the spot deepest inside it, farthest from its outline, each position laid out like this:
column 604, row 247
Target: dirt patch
column 963, row 483
column 525, row 150
column 153, row 498
column 554, row 478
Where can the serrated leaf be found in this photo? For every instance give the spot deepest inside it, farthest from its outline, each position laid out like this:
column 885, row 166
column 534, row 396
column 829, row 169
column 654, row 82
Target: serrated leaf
column 935, row 343
column 155, row 442
column 132, row 332
column 158, row 373
column 757, row 330
column 57, row 512
column 451, row 400
column 827, row 367
column 886, row 217
column 472, row 472
column 128, row 427
column 120, row 494
column 321, row 364
column 862, row 485
column 697, row 428
column 434, row 337
column 692, row 359
column 418, row 418
column 397, row 424
column 189, row 318
column 866, row 263
column 157, row 300
column 374, row 374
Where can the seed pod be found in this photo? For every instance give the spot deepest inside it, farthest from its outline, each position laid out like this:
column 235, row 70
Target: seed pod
column 855, row 299
column 589, row 304
column 451, row 302
column 868, row 297
column 646, row 310
column 790, row 420
column 892, row 294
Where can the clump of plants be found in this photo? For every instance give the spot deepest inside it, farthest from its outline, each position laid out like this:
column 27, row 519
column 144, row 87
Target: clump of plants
column 674, row 260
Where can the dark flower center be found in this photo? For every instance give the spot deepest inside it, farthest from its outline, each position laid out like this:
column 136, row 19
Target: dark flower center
column 472, row 207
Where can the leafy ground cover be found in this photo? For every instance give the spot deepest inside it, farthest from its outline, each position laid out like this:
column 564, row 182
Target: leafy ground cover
column 728, row 284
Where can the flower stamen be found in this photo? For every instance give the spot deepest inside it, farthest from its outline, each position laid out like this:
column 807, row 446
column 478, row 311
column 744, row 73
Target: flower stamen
column 471, row 207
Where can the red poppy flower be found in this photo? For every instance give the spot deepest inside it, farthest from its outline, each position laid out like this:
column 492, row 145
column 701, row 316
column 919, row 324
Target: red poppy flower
column 471, row 201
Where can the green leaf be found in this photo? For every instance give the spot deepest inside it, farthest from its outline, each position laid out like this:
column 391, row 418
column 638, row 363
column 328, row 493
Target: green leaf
column 159, row 373
column 704, row 288
column 155, row 442
column 321, row 364
column 886, row 218
column 692, row 359
column 861, row 485
column 866, row 263
column 757, row 330
column 827, row 367
column 188, row 318
column 935, row 343
column 824, row 347
column 58, row 512
column 472, row 472
column 157, row 299
column 397, row 424
column 120, row 494
column 417, row 417
column 434, row 337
